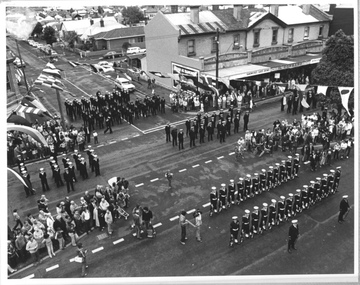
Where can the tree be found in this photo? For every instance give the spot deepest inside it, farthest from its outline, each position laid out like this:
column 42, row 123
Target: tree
column 38, row 29
column 49, row 35
column 336, row 68
column 125, row 46
column 71, row 37
column 132, row 14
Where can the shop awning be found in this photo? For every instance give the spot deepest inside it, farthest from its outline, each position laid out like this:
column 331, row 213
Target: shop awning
column 238, row 71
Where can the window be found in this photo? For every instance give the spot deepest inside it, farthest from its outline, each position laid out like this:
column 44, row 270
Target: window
column 274, row 36
column 236, row 42
column 256, row 38
column 321, row 28
column 291, row 35
column 213, row 44
column 306, row 32
column 191, row 47
column 140, row 39
column 131, row 41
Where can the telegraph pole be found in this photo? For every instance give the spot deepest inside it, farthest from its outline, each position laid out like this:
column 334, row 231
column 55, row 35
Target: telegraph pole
column 60, row 108
column 217, row 65
column 22, row 67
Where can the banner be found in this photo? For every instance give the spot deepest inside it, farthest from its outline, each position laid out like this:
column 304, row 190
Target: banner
column 304, row 103
column 322, row 89
column 345, row 94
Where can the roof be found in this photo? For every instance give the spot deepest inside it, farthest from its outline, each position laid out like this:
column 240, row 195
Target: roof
column 121, row 33
column 293, row 15
column 80, row 26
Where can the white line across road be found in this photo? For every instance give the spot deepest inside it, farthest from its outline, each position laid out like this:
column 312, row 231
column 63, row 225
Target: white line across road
column 100, row 145
column 155, row 179
column 206, row 205
column 190, row 211
column 231, row 153
column 208, row 161
column 29, row 276
column 174, row 218
column 157, row 225
column 138, row 185
column 182, row 170
column 220, row 157
column 112, row 142
column 162, row 127
column 72, row 259
column 196, row 165
column 124, row 139
column 52, row 267
column 118, row 241
column 137, row 135
column 97, row 249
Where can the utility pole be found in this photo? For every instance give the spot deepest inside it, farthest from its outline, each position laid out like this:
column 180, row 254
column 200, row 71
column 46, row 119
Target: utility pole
column 217, row 64
column 22, row 67
column 60, row 108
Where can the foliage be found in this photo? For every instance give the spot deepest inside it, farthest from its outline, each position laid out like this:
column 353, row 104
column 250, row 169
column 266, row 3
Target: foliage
column 49, row 35
column 100, row 10
column 38, row 29
column 125, row 46
column 132, row 14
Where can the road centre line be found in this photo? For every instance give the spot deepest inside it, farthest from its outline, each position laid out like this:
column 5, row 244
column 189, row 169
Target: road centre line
column 98, row 249
column 182, row 170
column 220, row 157
column 191, row 211
column 137, row 135
column 174, row 218
column 72, row 259
column 138, row 185
column 206, row 205
column 196, row 165
column 112, row 142
column 29, row 276
column 208, row 161
column 163, row 126
column 118, row 241
column 231, row 153
column 100, row 145
column 155, row 179
column 157, row 225
column 124, row 139
column 52, row 267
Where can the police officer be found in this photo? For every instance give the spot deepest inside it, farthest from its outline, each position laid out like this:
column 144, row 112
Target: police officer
column 245, row 225
column 317, row 187
column 96, row 165
column 192, row 136
column 236, row 123
column 44, row 183
column 344, row 207
column 222, row 197
column 269, row 178
column 214, row 197
column 283, row 176
column 167, row 132
column 305, row 197
column 83, row 170
column 231, row 193
column 337, row 178
column 57, row 176
column 108, row 124
column 262, row 180
column 289, row 206
column 281, row 209
column 234, row 230
column 275, row 180
column 264, row 216
column 181, row 139
column 247, row 185
column 72, row 171
column 330, row 181
column 69, row 180
column 255, row 220
column 297, row 202
column 76, row 159
column 293, row 235
column 210, row 131
column 272, row 214
column 311, row 193
column 288, row 165
column 246, row 120
column 296, row 167
column 240, row 191
column 222, row 131
column 202, row 133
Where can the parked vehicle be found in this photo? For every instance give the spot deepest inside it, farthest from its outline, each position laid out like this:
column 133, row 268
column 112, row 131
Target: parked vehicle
column 112, row 54
column 124, row 84
column 18, row 63
column 133, row 50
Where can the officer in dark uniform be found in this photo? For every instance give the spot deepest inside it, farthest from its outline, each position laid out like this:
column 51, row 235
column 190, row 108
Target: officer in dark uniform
column 234, row 230
column 181, row 139
column 296, row 165
column 337, row 178
column 282, row 170
column 281, row 209
column 344, row 207
column 264, row 217
column 202, row 133
column 247, row 185
column 255, row 220
column 245, row 225
column 288, row 165
column 83, row 169
column 231, row 193
column 108, row 125
column 289, row 206
column 293, row 235
column 192, row 136
column 210, row 131
column 311, row 193
column 240, row 191
column 324, row 186
column 44, row 183
column 330, row 181
column 222, row 131
column 174, row 136
column 255, row 184
column 72, row 171
column 262, row 180
column 317, row 187
column 96, row 164
column 69, row 180
column 222, row 197
column 272, row 214
column 214, row 197
column 167, row 132
column 246, row 121
column 88, row 152
column 305, row 197
column 269, row 179
column 28, row 190
column 57, row 177
column 297, row 202
column 275, row 180
column 228, row 126
column 236, row 123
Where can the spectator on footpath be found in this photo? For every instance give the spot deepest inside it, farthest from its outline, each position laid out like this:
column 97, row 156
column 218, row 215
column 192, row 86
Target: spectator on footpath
column 183, row 222
column 137, row 213
column 147, row 215
column 20, row 244
column 60, row 238
column 81, row 252
column 17, row 220
column 32, row 247
column 49, row 245
column 198, row 223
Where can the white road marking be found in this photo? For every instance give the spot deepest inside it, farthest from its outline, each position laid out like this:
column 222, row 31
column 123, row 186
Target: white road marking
column 112, row 142
column 208, row 161
column 220, row 157
column 137, row 135
column 98, row 249
column 182, row 170
column 100, row 145
column 231, row 153
column 134, row 234
column 52, row 267
column 72, row 259
column 117, row 241
column 206, row 205
column 191, row 211
column 174, row 218
column 152, row 180
column 196, row 165
column 137, row 128
column 124, row 139
column 157, row 225
column 138, row 185
column 29, row 276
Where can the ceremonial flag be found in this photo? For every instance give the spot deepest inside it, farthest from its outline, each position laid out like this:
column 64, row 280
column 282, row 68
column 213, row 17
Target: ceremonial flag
column 159, row 74
column 30, row 110
column 304, row 103
column 322, row 89
column 51, row 66
column 345, row 94
column 48, row 81
column 73, row 63
column 206, row 80
column 52, row 72
column 127, row 76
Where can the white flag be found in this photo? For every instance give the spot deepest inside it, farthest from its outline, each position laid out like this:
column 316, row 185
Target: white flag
column 304, row 103
column 345, row 94
column 322, row 89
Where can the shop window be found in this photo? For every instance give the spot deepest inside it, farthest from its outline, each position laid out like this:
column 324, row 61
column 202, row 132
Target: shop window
column 236, row 42
column 256, row 38
column 191, row 47
column 306, row 32
column 321, row 29
column 291, row 35
column 274, row 35
column 213, row 45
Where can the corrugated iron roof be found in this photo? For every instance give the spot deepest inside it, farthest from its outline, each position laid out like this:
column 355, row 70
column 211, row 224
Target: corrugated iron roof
column 191, row 29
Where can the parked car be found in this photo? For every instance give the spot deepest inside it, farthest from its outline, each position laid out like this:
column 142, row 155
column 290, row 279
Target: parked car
column 133, row 50
column 124, row 84
column 112, row 54
column 18, row 63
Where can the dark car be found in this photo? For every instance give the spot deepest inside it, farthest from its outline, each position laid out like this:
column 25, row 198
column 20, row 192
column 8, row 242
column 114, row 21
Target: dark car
column 112, row 54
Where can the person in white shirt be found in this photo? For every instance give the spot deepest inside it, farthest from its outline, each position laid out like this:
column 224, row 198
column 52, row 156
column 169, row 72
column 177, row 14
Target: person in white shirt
column 198, row 223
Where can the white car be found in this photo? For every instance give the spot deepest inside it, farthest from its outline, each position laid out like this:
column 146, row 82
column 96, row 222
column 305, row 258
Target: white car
column 124, row 83
column 105, row 63
column 133, row 50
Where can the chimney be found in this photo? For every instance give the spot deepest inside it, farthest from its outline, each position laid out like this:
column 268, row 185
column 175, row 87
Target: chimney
column 91, row 21
column 215, row 7
column 237, row 12
column 274, row 9
column 306, row 9
column 194, row 14
column 174, row 8
column 102, row 23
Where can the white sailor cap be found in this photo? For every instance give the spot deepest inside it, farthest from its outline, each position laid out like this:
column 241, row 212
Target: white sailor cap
column 318, row 178
column 271, row 167
column 21, row 163
column 248, row 175
column 282, row 197
column 51, row 158
column 312, row 182
column 22, row 168
column 345, row 196
column 231, row 180
column 298, row 190
column 56, row 166
column 283, row 161
column 91, row 150
column 273, row 201
column 256, row 208
column 241, row 179
column 289, row 157
column 306, row 186
column 223, row 184
column 234, row 217
column 23, row 172
column 339, row 167
column 325, row 175
column 68, row 159
column 332, row 171
column 53, row 161
column 297, row 154
column 95, row 155
column 41, row 169
column 256, row 174
column 277, row 164
column 89, row 146
column 294, row 221
column 247, row 211
column 70, row 163
column 82, row 158
column 213, row 188
column 265, row 204
column 291, row 194
column 263, row 170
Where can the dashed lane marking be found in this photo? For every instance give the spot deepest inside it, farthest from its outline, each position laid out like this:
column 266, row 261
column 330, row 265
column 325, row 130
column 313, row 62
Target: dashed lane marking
column 206, row 205
column 52, row 267
column 157, row 225
column 220, row 157
column 138, row 185
column 208, row 161
column 137, row 135
column 124, row 139
column 112, row 142
column 100, row 145
column 191, row 211
column 118, row 241
column 98, row 249
column 231, row 153
column 29, row 276
column 182, row 170
column 152, row 180
column 196, row 165
column 72, row 259
column 174, row 218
